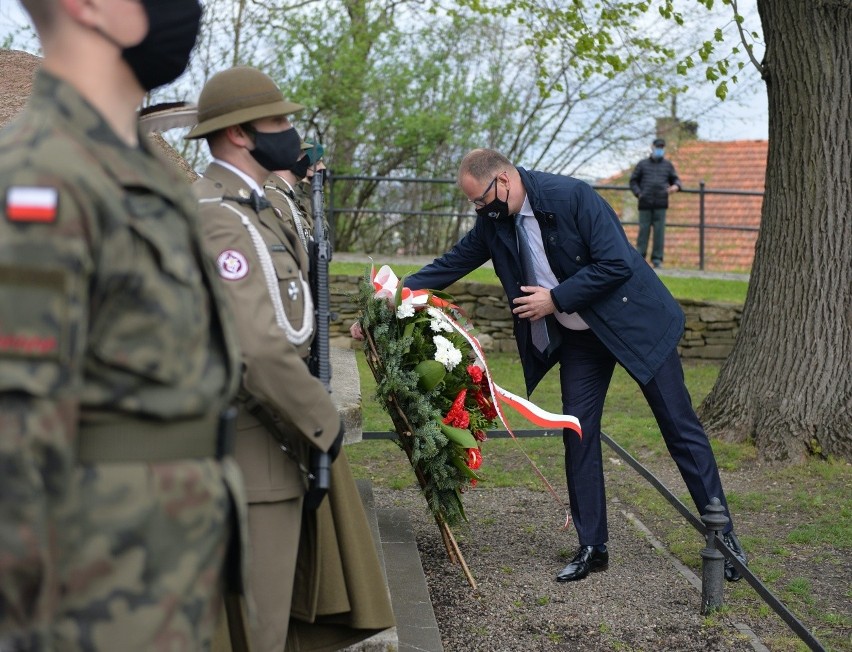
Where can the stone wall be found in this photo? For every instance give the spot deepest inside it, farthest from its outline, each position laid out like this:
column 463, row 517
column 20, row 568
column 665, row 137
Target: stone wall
column 709, row 335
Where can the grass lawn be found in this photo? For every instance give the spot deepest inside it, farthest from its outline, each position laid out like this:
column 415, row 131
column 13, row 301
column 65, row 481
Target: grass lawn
column 795, row 521
column 627, row 418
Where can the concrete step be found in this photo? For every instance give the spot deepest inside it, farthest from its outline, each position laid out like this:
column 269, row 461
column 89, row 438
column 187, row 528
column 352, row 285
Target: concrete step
column 416, row 627
column 388, row 639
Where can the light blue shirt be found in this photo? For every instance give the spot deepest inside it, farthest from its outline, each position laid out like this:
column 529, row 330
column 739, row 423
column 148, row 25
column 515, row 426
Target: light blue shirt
column 545, row 276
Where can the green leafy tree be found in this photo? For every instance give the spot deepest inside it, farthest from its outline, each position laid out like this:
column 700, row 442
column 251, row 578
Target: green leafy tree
column 405, row 89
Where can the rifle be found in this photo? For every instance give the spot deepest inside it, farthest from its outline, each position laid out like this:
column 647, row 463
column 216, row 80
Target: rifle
column 319, row 361
column 320, row 254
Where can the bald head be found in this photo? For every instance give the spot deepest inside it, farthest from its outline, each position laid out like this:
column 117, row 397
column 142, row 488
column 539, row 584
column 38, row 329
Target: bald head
column 483, row 164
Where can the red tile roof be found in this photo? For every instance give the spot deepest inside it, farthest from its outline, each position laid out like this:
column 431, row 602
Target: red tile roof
column 733, row 165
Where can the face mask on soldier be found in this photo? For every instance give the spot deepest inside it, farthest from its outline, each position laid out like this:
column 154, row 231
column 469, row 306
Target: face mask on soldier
column 300, row 167
column 163, row 54
column 277, row 150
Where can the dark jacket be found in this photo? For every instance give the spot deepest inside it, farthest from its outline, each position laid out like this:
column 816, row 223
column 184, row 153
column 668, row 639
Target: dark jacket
column 600, row 275
column 650, row 181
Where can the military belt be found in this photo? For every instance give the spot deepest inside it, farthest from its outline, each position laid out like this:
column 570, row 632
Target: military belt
column 141, row 440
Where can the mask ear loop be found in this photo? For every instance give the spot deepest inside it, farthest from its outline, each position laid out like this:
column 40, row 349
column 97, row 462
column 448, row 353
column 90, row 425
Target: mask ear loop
column 506, row 201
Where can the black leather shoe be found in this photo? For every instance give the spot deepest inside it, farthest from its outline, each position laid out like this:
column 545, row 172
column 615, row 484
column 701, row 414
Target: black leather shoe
column 587, row 560
column 731, row 573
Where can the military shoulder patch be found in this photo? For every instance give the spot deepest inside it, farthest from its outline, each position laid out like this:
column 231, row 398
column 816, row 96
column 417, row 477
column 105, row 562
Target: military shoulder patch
column 31, row 204
column 35, row 327
column 232, row 265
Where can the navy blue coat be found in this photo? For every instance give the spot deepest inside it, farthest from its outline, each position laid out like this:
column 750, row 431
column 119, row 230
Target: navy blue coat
column 600, row 274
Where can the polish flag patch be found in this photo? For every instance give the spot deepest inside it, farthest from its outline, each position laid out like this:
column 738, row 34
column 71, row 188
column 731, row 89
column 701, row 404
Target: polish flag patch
column 31, row 203
column 232, row 265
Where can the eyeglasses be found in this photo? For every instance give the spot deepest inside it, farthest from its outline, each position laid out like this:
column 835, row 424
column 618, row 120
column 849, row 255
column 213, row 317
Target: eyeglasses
column 480, row 202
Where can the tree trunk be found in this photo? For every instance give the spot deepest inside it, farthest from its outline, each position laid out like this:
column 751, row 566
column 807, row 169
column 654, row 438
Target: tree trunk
column 788, row 382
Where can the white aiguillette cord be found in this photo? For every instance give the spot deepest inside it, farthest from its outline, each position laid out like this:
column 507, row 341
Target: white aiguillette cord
column 294, row 210
column 296, row 337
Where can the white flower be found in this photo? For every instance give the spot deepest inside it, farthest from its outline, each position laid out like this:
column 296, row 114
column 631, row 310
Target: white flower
column 405, row 309
column 438, row 323
column 447, row 354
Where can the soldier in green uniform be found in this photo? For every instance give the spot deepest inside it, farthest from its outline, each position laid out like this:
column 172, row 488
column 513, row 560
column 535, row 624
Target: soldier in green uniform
column 339, row 596
column 116, row 357
column 264, row 263
column 243, row 116
column 284, row 189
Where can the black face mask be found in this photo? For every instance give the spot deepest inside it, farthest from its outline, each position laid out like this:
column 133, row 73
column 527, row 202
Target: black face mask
column 163, row 54
column 300, row 167
column 278, row 150
column 496, row 209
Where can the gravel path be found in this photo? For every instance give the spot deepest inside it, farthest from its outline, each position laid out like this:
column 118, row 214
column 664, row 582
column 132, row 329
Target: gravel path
column 514, row 547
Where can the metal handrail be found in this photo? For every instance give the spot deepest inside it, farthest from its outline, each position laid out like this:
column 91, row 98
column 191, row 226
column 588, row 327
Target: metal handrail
column 702, row 191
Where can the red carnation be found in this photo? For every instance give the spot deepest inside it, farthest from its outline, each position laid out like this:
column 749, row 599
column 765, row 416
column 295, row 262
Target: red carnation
column 458, row 416
column 475, row 373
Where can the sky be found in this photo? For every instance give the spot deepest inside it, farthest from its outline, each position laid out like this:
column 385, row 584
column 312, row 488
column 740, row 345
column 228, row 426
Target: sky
column 743, row 116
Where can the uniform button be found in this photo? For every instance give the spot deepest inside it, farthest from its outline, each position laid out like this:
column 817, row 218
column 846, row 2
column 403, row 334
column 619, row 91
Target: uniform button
column 577, row 259
column 318, row 432
column 218, row 185
column 552, row 239
column 624, row 299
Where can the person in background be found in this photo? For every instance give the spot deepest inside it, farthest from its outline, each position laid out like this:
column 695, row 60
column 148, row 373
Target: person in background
column 582, row 298
column 117, row 358
column 653, row 180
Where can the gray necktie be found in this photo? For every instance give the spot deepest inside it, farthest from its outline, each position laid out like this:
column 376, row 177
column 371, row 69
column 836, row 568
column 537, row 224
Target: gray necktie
column 538, row 327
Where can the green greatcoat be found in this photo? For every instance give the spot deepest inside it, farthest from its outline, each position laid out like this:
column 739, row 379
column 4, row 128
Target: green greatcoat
column 116, row 360
column 339, row 593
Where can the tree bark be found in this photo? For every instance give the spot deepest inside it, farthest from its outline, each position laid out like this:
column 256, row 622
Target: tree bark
column 788, row 382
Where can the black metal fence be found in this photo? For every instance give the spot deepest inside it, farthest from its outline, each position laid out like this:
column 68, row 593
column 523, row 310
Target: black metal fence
column 705, row 223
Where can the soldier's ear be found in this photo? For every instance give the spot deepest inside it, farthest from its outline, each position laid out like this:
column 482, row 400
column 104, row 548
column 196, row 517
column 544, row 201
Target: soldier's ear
column 81, row 11
column 239, row 137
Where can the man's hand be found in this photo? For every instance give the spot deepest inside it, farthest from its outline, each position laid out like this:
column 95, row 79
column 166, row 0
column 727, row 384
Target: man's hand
column 673, row 188
column 356, row 332
column 536, row 304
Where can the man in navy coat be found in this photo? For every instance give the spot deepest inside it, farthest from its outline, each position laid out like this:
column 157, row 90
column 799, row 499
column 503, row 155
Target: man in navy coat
column 601, row 304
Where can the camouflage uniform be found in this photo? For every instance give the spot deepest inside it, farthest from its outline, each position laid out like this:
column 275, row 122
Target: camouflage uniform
column 115, row 363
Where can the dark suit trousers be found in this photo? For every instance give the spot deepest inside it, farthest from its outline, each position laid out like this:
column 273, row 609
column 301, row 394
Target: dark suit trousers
column 586, row 368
